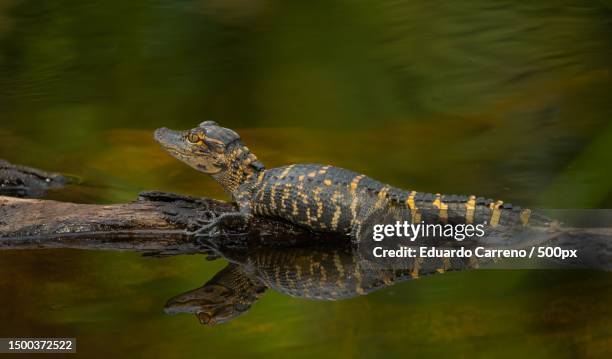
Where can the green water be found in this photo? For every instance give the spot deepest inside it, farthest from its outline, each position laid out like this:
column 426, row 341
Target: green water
column 501, row 99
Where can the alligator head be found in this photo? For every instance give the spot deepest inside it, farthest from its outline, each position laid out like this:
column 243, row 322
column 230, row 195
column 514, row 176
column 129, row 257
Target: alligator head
column 211, row 149
column 226, row 296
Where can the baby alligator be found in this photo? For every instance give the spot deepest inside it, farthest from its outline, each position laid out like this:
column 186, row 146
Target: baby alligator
column 319, row 197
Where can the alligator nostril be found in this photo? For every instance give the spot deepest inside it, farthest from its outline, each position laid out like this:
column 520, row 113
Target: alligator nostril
column 159, row 133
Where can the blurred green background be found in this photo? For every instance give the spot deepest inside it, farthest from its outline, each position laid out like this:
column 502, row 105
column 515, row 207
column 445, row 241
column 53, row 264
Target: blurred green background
column 503, row 99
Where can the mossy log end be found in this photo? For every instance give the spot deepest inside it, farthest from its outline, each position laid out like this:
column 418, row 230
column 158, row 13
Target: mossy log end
column 23, row 181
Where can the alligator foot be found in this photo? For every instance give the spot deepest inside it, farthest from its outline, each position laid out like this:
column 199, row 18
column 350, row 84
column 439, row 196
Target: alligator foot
column 236, row 221
column 208, row 217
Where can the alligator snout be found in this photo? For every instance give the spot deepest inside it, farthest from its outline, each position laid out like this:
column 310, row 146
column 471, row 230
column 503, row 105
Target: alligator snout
column 159, row 134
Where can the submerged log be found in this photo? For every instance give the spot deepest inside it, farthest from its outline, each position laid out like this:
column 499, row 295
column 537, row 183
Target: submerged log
column 22, row 181
column 156, row 221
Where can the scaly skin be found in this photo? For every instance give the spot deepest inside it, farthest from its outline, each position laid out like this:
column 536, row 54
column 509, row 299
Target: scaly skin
column 318, row 197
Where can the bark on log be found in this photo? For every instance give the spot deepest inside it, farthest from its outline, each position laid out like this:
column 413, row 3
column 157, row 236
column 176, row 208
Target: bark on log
column 154, row 222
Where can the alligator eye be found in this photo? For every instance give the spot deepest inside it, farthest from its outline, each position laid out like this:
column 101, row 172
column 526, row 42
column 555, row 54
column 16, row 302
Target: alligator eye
column 193, row 138
column 219, row 149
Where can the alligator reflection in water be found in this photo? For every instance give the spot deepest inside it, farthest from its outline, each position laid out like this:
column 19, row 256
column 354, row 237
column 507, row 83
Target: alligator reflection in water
column 331, row 271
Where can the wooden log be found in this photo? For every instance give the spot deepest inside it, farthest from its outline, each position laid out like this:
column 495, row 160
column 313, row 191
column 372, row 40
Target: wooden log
column 156, row 221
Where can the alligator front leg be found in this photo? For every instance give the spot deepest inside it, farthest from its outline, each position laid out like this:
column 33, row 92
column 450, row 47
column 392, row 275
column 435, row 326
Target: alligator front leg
column 238, row 220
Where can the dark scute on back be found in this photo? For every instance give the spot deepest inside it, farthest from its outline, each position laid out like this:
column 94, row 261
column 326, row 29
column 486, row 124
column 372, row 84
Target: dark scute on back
column 222, row 134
